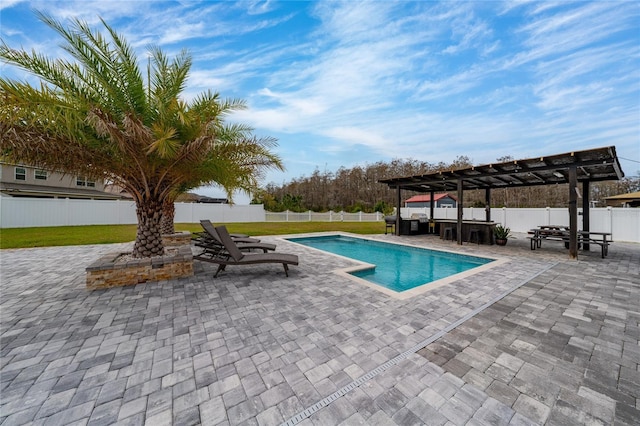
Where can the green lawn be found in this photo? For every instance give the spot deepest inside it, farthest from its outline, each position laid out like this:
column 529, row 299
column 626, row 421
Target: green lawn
column 106, row 234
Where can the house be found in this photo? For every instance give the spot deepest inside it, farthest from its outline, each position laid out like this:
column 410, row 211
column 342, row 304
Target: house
column 424, row 200
column 631, row 199
column 17, row 180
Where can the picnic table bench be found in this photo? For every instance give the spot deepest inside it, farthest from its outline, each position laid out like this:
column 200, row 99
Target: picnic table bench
column 561, row 233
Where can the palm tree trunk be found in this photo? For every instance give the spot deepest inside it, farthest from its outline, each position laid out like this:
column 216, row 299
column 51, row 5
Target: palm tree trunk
column 168, row 214
column 148, row 239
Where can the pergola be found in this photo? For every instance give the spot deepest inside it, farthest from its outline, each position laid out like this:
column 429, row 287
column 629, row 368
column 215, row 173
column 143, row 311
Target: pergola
column 584, row 167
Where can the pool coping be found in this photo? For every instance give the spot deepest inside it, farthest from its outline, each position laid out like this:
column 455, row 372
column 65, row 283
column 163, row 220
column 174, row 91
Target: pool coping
column 406, row 294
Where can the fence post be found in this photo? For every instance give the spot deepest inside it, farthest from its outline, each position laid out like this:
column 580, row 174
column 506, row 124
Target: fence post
column 309, row 215
column 504, row 216
column 610, row 221
column 548, row 216
column 67, row 208
column 341, row 215
column 286, row 216
column 360, row 216
column 330, row 215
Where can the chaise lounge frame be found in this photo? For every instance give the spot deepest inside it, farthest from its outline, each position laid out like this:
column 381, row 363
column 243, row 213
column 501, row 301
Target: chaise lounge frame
column 210, row 240
column 238, row 238
column 232, row 255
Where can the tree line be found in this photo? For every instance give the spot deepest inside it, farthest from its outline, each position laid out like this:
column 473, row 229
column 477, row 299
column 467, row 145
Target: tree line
column 357, row 189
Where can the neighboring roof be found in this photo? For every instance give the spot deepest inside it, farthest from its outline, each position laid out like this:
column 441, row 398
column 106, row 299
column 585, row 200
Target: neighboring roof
column 18, row 189
column 629, row 196
column 427, row 198
column 592, row 165
column 112, row 188
column 212, row 200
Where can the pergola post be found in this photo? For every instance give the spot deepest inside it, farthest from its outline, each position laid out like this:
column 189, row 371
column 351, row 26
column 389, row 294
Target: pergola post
column 431, row 204
column 487, row 204
column 398, row 218
column 460, row 212
column 585, row 211
column 573, row 212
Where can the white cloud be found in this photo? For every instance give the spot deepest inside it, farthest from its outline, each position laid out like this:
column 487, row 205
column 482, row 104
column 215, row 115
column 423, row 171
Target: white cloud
column 357, row 136
column 6, row 4
column 90, row 11
column 259, row 7
column 588, row 23
column 470, row 32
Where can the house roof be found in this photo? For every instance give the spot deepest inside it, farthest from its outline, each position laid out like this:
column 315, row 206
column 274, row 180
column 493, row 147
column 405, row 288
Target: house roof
column 426, row 198
column 22, row 189
column 597, row 164
column 629, row 196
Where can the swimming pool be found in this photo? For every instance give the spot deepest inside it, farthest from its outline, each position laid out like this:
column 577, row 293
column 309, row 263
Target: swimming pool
column 397, row 267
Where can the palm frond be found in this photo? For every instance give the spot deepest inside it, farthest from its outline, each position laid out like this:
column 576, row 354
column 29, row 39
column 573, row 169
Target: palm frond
column 112, row 73
column 165, row 143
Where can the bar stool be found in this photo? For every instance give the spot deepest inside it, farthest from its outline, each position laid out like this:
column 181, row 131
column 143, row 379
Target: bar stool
column 474, row 234
column 448, row 233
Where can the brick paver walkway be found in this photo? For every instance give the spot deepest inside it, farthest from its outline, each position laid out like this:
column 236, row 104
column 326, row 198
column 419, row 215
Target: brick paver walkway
column 255, row 347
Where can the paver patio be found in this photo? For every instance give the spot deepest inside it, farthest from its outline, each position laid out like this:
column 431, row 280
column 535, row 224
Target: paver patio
column 538, row 340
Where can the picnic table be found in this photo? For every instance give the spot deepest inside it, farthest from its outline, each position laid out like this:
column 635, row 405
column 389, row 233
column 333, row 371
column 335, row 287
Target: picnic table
column 561, row 233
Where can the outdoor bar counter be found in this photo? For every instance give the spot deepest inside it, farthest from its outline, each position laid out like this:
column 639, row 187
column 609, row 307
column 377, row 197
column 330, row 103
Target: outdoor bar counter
column 485, row 229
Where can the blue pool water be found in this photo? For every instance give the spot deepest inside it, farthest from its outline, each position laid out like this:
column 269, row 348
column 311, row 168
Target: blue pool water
column 398, row 267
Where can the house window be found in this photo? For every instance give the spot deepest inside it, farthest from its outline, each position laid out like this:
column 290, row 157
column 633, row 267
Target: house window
column 41, row 175
column 21, row 173
column 83, row 181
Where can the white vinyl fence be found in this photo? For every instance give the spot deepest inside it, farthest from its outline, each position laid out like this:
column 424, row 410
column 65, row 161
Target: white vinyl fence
column 330, row 216
column 623, row 223
column 30, row 212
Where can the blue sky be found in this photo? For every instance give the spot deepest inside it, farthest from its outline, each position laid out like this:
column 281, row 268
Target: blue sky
column 350, row 83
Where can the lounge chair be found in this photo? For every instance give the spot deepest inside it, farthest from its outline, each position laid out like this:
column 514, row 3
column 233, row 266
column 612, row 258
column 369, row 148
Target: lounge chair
column 238, row 238
column 209, row 240
column 231, row 255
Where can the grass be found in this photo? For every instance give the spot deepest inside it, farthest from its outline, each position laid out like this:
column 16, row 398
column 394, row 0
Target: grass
column 107, row 234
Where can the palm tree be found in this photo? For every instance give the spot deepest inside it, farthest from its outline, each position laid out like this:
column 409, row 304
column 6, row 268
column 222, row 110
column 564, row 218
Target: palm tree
column 97, row 116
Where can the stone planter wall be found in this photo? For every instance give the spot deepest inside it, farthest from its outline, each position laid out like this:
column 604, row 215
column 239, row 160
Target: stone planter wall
column 178, row 239
column 106, row 273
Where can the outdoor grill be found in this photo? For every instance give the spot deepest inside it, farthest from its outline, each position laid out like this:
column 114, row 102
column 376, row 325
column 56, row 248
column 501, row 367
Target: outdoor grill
column 390, row 223
column 418, row 223
column 421, row 217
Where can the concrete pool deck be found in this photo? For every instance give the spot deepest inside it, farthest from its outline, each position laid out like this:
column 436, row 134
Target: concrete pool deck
column 539, row 339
